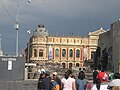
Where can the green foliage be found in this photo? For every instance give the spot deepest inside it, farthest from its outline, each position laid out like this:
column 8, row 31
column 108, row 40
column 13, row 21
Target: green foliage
column 100, row 60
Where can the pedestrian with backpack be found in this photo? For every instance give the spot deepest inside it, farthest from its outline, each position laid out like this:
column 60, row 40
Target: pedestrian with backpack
column 40, row 82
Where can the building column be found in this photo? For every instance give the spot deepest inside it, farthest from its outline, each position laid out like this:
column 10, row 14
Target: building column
column 74, row 56
column 60, row 53
column 32, row 52
column 67, row 66
column 53, row 53
column 38, row 52
column 67, row 54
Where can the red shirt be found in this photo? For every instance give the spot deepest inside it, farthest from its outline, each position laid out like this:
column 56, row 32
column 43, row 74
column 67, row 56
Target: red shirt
column 101, row 77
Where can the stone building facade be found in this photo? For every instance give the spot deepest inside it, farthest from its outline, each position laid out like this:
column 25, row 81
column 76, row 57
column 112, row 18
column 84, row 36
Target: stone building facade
column 69, row 51
column 105, row 43
column 110, row 41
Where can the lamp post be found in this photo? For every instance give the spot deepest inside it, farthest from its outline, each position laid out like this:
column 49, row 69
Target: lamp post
column 28, row 45
column 0, row 46
column 0, row 42
column 16, row 25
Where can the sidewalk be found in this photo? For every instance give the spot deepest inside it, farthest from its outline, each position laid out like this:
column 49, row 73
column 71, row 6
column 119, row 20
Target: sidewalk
column 18, row 85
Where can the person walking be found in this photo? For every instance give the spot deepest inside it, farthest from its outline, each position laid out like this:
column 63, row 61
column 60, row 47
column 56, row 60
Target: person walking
column 47, row 81
column 55, row 83
column 115, row 82
column 57, row 79
column 40, row 82
column 101, row 78
column 68, row 83
column 95, row 73
column 81, row 82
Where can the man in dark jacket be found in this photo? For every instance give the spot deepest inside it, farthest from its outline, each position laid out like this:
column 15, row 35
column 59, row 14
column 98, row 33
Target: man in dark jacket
column 40, row 82
column 95, row 73
column 47, row 81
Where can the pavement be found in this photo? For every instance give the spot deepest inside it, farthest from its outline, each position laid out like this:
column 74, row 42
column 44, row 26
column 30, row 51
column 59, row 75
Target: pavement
column 19, row 85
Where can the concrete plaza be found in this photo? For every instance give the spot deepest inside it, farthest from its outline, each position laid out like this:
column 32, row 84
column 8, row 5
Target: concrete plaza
column 19, row 85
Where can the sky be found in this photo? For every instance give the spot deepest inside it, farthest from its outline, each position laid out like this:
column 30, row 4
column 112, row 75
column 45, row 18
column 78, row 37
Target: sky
column 61, row 17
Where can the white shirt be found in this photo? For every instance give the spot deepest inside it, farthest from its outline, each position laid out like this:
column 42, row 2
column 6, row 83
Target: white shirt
column 115, row 82
column 42, row 70
column 102, row 87
column 67, row 83
column 39, row 71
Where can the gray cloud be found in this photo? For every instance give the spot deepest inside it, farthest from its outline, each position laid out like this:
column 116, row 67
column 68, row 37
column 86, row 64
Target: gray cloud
column 59, row 16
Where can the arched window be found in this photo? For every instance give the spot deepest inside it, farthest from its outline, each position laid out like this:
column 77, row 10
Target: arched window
column 35, row 52
column 77, row 64
column 92, row 54
column 41, row 53
column 63, row 64
column 77, row 53
column 57, row 53
column 70, row 53
column 70, row 65
column 63, row 53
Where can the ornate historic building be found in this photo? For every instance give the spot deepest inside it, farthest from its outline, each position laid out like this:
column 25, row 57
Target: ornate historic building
column 69, row 51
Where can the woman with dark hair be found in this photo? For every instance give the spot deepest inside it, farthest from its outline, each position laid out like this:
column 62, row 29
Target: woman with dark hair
column 68, row 83
column 81, row 81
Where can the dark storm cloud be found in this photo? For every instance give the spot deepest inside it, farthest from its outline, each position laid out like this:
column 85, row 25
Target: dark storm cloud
column 62, row 17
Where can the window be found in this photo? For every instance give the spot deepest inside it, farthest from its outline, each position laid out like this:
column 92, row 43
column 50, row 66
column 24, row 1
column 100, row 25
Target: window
column 60, row 40
column 67, row 40
column 63, row 64
column 74, row 40
column 53, row 40
column 70, row 65
column 41, row 53
column 77, row 64
column 92, row 55
column 81, row 40
column 57, row 53
column 63, row 53
column 35, row 53
column 77, row 53
column 70, row 53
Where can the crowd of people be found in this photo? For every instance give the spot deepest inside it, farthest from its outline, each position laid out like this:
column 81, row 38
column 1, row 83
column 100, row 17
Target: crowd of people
column 68, row 82
column 105, row 80
column 101, row 81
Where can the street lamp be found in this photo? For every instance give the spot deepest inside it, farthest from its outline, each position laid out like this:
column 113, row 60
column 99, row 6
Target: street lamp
column 0, row 46
column 16, row 25
column 0, row 42
column 28, row 45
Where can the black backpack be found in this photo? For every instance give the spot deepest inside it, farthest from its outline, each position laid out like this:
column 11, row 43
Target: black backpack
column 40, row 84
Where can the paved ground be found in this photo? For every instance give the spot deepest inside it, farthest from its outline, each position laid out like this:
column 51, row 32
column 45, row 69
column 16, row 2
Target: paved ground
column 18, row 85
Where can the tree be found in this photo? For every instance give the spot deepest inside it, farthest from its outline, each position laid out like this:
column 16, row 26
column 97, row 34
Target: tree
column 105, row 59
